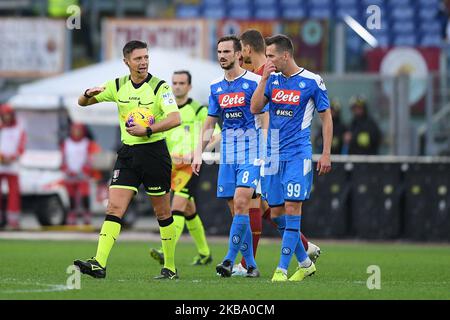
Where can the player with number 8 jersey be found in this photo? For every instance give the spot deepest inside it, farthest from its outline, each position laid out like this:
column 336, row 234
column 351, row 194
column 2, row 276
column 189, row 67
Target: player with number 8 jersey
column 239, row 170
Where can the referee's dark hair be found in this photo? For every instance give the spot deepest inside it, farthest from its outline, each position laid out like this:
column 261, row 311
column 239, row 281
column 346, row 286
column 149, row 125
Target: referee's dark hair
column 132, row 45
column 187, row 73
column 282, row 43
column 254, row 39
column 236, row 42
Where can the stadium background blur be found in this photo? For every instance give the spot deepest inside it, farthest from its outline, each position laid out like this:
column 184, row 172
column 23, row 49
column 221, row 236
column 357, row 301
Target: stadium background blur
column 401, row 193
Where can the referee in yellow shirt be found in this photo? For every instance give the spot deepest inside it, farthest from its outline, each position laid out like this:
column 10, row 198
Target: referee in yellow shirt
column 143, row 158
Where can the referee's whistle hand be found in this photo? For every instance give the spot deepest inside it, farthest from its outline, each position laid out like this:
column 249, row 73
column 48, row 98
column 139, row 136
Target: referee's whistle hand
column 136, row 130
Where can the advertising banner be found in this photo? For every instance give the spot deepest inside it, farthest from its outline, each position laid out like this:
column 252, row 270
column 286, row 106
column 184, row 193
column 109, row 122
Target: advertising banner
column 188, row 36
column 32, row 47
column 310, row 39
column 417, row 63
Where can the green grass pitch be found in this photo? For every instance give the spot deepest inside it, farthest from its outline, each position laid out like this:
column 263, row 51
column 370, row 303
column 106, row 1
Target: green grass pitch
column 37, row 270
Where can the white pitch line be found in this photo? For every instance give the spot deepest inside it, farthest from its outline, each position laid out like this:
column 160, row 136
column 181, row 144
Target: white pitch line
column 51, row 287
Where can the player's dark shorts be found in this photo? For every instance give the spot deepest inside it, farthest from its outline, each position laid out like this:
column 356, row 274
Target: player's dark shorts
column 147, row 163
column 190, row 189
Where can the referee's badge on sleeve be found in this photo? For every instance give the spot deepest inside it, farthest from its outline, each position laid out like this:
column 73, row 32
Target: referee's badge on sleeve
column 168, row 98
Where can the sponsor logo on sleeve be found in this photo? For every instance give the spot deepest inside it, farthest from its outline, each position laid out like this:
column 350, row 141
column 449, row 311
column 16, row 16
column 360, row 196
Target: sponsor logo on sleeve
column 168, row 98
column 321, row 84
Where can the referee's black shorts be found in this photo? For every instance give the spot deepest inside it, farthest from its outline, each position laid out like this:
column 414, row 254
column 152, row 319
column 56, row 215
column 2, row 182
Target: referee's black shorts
column 147, row 163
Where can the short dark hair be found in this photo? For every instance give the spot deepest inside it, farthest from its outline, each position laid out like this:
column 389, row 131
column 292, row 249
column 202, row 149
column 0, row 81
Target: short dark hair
column 236, row 41
column 132, row 45
column 282, row 42
column 254, row 39
column 189, row 76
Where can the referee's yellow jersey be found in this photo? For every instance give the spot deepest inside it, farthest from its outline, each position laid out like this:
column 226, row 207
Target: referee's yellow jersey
column 153, row 94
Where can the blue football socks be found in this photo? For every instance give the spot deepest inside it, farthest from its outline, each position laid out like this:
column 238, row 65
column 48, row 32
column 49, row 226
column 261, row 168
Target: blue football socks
column 238, row 232
column 247, row 249
column 300, row 252
column 291, row 237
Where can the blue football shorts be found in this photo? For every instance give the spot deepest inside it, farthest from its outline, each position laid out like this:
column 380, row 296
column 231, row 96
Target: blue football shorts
column 232, row 176
column 291, row 182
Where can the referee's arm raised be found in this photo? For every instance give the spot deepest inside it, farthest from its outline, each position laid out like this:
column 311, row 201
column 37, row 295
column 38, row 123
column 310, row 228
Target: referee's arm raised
column 88, row 97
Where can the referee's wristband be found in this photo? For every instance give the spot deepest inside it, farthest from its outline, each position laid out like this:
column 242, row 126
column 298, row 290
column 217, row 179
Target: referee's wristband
column 149, row 132
column 86, row 95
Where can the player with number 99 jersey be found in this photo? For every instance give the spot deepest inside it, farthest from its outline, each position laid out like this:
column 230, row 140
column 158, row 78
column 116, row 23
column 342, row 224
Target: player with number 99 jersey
column 292, row 103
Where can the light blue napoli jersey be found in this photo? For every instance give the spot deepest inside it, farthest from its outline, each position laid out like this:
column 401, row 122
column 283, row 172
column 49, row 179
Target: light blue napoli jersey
column 292, row 102
column 241, row 130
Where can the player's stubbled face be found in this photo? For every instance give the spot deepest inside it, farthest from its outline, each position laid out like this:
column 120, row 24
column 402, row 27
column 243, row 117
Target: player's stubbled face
column 226, row 55
column 276, row 57
column 137, row 61
column 180, row 85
